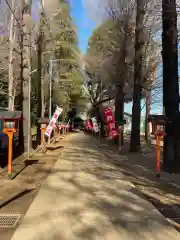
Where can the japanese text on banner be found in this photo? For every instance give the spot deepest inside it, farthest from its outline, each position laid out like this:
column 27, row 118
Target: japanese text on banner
column 110, row 121
column 53, row 121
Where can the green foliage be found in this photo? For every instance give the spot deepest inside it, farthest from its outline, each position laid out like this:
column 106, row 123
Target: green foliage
column 60, row 43
column 110, row 60
column 105, row 39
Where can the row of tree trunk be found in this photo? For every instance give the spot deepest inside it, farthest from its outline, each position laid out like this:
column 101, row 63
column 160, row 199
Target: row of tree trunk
column 20, row 32
column 170, row 85
column 171, row 153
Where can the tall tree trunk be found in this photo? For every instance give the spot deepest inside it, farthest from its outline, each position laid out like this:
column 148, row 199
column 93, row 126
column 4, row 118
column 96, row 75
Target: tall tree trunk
column 119, row 99
column 20, row 99
column 119, row 108
column 26, row 78
column 170, row 83
column 39, row 70
column 100, row 120
column 139, row 45
column 147, row 129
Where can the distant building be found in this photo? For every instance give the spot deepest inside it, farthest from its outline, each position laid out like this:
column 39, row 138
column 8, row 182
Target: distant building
column 127, row 126
column 128, row 118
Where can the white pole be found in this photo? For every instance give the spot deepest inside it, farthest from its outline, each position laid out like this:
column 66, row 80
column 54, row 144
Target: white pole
column 50, row 84
column 29, row 119
column 11, row 78
column 29, row 98
column 50, row 93
column 50, row 89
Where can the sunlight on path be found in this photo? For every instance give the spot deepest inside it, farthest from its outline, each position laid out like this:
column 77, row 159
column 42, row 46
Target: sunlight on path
column 85, row 197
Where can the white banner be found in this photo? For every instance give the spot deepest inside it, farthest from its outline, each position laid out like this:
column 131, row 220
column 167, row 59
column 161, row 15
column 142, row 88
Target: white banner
column 53, row 121
column 95, row 124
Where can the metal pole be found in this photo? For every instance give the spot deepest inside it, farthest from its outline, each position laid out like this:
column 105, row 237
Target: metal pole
column 50, row 89
column 29, row 117
column 50, row 84
column 29, row 107
column 11, row 70
column 50, row 94
column 29, row 98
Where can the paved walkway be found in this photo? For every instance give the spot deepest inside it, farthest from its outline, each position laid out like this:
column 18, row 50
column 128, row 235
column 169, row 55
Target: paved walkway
column 86, row 197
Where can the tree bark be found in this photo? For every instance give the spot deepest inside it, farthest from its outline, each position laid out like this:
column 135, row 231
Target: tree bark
column 139, row 45
column 26, row 79
column 119, row 109
column 20, row 99
column 100, row 120
column 170, row 84
column 40, row 83
column 119, row 99
column 147, row 130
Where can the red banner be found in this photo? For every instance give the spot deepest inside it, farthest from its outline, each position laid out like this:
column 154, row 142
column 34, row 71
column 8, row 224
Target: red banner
column 110, row 121
column 88, row 125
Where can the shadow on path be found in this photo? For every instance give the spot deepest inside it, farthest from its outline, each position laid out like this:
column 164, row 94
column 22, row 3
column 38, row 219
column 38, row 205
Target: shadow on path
column 86, row 196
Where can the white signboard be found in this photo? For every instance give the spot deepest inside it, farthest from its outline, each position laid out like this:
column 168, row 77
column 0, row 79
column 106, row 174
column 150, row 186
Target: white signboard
column 53, row 121
column 95, row 124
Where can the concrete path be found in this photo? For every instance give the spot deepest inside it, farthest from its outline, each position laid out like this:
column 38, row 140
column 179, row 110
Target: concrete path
column 85, row 197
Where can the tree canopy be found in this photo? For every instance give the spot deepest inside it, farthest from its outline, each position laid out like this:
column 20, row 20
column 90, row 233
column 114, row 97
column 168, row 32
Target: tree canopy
column 105, row 60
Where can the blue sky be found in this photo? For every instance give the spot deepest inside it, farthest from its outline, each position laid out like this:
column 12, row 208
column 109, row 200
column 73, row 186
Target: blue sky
column 85, row 27
column 81, row 10
column 84, row 24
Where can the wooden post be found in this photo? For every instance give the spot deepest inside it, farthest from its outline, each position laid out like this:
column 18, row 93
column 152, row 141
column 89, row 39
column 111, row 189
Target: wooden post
column 10, row 133
column 43, row 139
column 43, row 129
column 63, row 130
column 106, row 136
column 147, row 128
column 119, row 143
column 60, row 129
column 10, row 152
column 55, row 135
column 158, row 155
